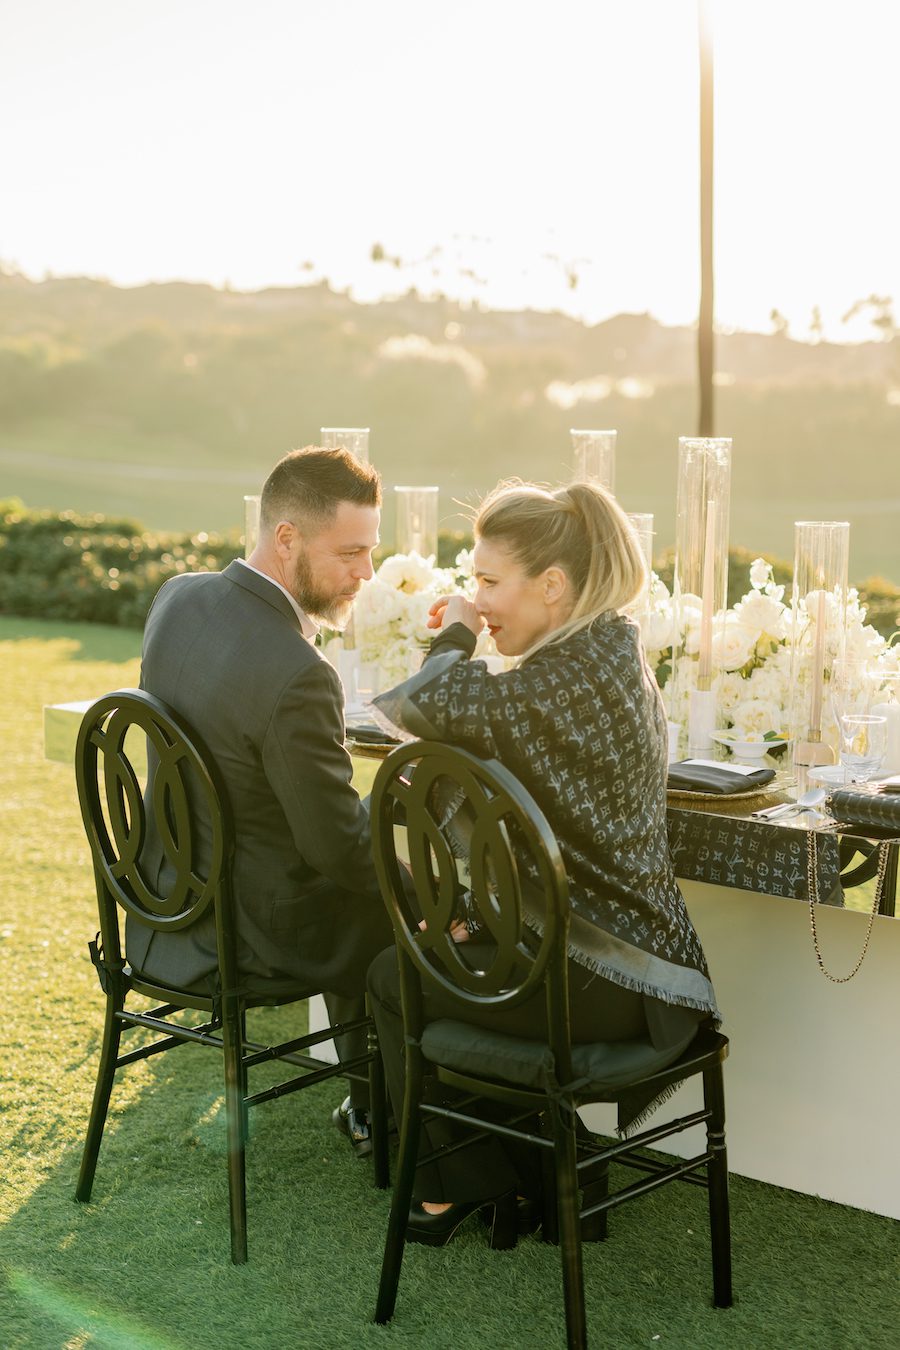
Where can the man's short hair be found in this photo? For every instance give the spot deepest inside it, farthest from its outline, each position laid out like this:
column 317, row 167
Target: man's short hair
column 308, row 485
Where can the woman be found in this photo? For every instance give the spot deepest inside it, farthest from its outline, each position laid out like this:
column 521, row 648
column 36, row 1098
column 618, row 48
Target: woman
column 580, row 723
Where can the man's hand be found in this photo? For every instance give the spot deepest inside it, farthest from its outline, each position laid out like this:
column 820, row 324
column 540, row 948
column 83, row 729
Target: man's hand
column 454, row 609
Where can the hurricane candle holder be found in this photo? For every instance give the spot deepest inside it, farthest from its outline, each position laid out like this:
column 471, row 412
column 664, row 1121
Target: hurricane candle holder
column 642, row 523
column 595, row 457
column 417, row 520
column 818, row 618
column 354, row 439
column 888, row 707
column 701, row 579
column 251, row 523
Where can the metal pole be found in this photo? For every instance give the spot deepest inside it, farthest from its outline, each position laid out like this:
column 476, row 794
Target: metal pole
column 705, row 340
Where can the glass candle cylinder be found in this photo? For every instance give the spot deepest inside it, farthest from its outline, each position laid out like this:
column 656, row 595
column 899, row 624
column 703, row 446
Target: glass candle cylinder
column 818, row 616
column 417, row 520
column 701, row 581
column 888, row 706
column 643, row 528
column 595, row 457
column 354, row 439
column 642, row 521
column 251, row 524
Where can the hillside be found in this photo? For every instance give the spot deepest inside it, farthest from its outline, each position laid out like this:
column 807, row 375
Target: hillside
column 168, row 402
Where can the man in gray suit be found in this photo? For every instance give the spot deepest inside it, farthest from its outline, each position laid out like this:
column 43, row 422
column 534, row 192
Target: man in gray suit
column 233, row 653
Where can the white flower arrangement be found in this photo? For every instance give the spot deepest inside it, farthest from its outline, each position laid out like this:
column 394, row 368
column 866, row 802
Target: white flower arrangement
column 390, row 616
column 752, row 652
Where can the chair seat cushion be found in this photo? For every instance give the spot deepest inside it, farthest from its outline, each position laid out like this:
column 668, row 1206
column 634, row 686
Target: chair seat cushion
column 598, row 1067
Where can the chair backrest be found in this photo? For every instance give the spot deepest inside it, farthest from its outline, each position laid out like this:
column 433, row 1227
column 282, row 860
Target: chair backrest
column 184, row 802
column 459, row 808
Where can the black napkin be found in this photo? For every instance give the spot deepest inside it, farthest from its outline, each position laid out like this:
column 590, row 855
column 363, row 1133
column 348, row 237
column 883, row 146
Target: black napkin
column 717, row 779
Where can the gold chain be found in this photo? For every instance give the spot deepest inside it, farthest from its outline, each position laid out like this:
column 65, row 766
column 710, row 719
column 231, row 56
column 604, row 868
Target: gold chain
column 812, row 891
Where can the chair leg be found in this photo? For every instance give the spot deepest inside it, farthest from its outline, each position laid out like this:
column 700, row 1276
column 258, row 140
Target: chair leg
column 235, row 1110
column 549, row 1213
column 717, row 1173
column 245, row 1110
column 378, row 1113
column 595, row 1228
column 106, row 1072
column 410, row 1130
column 565, row 1156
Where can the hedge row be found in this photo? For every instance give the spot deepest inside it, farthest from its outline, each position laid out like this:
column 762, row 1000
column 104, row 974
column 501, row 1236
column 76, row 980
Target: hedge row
column 94, row 568
column 103, row 570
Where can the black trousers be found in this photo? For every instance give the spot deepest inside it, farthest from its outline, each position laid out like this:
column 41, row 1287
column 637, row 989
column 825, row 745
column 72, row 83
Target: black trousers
column 599, row 1010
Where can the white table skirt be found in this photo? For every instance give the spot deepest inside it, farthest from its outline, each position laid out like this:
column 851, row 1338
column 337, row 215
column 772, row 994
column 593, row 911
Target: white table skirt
column 812, row 1086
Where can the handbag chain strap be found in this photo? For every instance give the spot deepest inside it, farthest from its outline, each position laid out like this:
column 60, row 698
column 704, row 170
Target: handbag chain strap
column 812, row 891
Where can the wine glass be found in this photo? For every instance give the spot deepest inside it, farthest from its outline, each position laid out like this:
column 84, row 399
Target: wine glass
column 863, row 742
column 851, row 687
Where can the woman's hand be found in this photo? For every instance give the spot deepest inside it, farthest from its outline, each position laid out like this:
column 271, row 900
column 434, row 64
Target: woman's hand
column 454, row 609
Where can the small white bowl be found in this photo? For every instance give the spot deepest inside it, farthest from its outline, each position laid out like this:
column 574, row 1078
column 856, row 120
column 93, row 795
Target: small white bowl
column 746, row 750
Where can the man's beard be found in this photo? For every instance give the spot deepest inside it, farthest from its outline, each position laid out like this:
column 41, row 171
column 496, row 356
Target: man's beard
column 332, row 610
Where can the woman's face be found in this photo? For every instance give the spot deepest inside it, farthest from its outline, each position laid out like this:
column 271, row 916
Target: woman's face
column 519, row 610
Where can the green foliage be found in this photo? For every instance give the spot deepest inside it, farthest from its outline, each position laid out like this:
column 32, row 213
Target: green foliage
column 66, row 566
column 169, row 402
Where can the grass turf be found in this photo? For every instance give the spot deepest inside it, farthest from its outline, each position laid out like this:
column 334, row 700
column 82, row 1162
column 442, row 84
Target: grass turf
column 146, row 1267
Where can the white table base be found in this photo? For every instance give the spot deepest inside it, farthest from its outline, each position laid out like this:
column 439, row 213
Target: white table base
column 812, row 1086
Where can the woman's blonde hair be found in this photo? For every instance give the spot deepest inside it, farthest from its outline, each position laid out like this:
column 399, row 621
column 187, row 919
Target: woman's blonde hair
column 580, row 528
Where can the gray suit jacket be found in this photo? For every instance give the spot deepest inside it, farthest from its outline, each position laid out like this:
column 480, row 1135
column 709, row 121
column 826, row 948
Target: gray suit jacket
column 226, row 651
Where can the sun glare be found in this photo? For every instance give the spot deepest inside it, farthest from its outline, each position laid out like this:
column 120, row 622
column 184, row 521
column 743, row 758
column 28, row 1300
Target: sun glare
column 552, row 162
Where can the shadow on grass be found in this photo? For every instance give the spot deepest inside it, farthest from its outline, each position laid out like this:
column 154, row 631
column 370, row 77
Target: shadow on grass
column 87, row 641
column 146, row 1265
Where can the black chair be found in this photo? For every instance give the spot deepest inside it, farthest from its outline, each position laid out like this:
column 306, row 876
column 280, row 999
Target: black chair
column 188, row 802
column 448, row 796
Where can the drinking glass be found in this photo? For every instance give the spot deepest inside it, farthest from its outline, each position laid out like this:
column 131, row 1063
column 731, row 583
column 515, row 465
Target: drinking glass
column 365, row 683
column 863, row 741
column 851, row 687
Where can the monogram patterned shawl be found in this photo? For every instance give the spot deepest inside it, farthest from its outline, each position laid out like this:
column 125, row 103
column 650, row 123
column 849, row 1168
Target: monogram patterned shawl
column 581, row 724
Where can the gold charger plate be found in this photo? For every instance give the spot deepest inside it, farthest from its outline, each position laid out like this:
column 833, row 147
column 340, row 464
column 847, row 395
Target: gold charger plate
column 761, row 790
column 370, row 749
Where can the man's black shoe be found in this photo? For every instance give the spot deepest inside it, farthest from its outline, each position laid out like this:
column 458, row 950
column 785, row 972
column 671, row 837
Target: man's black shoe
column 354, row 1123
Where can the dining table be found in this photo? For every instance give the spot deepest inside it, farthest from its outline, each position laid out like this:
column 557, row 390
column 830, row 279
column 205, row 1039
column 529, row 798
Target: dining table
column 812, row 1081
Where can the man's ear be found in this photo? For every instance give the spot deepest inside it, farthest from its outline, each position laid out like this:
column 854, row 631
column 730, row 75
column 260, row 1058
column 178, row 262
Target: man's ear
column 284, row 536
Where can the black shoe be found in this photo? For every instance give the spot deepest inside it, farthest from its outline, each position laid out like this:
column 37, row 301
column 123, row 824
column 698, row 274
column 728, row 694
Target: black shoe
column 435, row 1230
column 354, row 1123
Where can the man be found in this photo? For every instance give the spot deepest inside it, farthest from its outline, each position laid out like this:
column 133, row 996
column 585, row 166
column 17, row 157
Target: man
column 233, row 653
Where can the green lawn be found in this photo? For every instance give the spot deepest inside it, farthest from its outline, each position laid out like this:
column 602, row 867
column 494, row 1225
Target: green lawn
column 146, row 1265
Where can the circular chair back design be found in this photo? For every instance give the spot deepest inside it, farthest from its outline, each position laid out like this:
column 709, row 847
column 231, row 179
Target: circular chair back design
column 458, row 806
column 185, row 816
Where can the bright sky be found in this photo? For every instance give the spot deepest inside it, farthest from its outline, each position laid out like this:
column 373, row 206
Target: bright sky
column 234, row 141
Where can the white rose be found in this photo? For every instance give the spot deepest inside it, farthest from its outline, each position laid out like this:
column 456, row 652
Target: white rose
column 730, row 689
column 378, row 604
column 732, row 644
column 657, row 630
column 407, row 572
column 763, row 615
column 755, row 717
